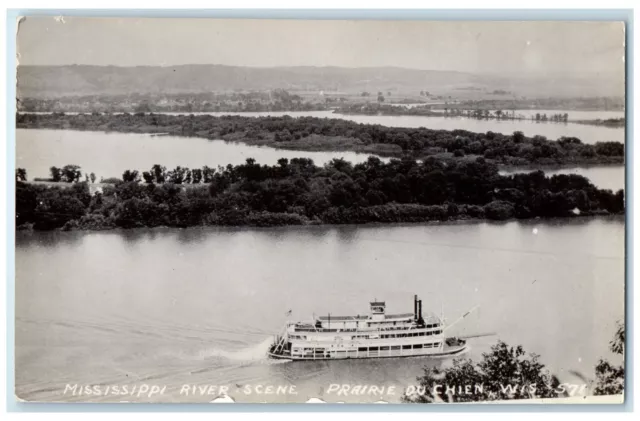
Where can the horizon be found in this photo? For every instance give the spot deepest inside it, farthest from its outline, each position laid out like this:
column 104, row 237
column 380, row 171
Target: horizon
column 275, row 67
column 525, row 48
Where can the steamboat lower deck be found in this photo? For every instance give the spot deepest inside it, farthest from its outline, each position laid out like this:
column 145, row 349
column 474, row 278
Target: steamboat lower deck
column 393, row 351
column 377, row 335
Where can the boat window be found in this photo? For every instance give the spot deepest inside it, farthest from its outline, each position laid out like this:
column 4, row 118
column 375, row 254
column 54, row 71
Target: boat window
column 395, row 347
column 406, row 346
column 363, row 349
column 428, row 345
column 417, row 346
column 436, row 345
column 384, row 348
column 373, row 348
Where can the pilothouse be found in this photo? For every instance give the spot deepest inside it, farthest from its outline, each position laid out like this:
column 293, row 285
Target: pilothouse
column 376, row 335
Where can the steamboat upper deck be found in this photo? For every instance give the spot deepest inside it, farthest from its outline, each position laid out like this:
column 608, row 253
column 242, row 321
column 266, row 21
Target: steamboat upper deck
column 365, row 336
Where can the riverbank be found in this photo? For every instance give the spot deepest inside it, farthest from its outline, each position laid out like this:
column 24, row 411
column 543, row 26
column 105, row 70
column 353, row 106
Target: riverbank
column 297, row 192
column 610, row 122
column 262, row 221
column 323, row 134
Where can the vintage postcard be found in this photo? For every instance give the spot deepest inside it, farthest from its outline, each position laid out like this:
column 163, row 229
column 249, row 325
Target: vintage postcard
column 290, row 211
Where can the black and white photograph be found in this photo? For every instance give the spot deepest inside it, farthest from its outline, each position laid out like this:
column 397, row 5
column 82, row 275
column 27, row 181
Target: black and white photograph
column 217, row 210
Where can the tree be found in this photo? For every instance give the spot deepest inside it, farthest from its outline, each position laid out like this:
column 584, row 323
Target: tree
column 380, row 98
column 499, row 210
column 147, row 177
column 56, row 206
column 609, row 377
column 518, row 137
column 21, row 174
column 71, row 173
column 159, row 173
column 196, row 176
column 505, row 373
column 56, row 174
column 207, row 174
column 130, row 176
column 26, row 203
column 93, row 178
column 177, row 176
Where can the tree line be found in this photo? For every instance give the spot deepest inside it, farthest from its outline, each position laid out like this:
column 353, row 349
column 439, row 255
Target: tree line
column 558, row 118
column 297, row 192
column 310, row 133
column 508, row 373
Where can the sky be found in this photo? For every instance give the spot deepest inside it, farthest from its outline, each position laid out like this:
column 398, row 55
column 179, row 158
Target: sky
column 477, row 47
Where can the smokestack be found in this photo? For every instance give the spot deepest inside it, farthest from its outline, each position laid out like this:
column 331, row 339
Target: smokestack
column 415, row 307
column 419, row 309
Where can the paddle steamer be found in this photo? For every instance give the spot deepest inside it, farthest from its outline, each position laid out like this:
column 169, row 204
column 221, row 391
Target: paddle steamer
column 376, row 335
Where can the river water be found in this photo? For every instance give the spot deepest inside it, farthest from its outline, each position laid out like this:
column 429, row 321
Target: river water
column 198, row 306
column 110, row 154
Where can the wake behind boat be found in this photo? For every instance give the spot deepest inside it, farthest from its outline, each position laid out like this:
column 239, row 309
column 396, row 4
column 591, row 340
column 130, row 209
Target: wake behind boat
column 377, row 335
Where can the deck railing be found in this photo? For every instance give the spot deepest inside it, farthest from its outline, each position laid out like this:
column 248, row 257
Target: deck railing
column 386, row 329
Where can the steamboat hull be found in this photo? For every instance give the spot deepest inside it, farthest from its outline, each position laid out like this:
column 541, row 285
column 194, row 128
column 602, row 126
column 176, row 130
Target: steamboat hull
column 444, row 353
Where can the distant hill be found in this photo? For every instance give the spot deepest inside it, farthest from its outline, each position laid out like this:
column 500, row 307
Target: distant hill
column 52, row 81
